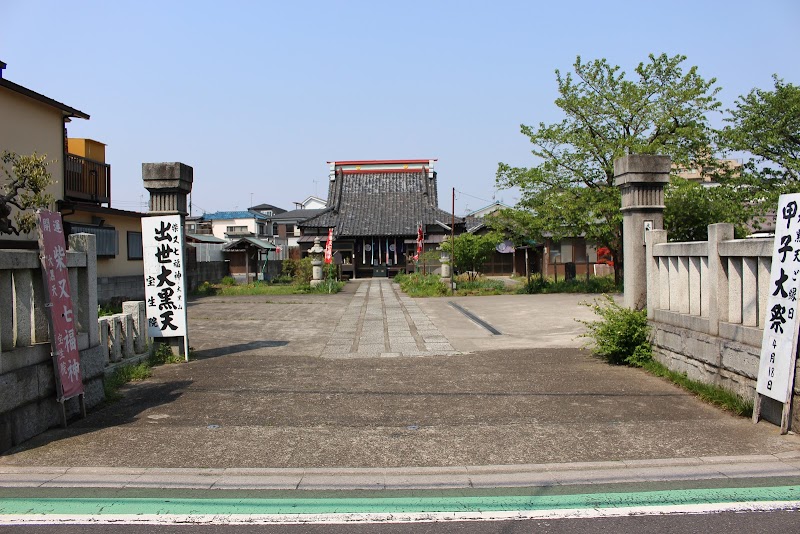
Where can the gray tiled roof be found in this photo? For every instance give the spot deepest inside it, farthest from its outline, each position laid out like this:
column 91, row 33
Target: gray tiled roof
column 296, row 215
column 380, row 204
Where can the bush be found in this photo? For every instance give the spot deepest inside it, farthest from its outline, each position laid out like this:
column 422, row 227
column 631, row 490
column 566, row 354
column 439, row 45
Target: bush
column 421, row 285
column 161, row 354
column 596, row 284
column 228, row 281
column 206, row 289
column 302, row 271
column 621, row 336
column 328, row 285
column 537, row 284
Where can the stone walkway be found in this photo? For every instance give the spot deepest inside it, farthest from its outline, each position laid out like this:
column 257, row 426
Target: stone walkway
column 381, row 321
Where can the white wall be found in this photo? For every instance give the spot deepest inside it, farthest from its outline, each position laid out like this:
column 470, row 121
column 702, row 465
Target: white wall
column 219, row 226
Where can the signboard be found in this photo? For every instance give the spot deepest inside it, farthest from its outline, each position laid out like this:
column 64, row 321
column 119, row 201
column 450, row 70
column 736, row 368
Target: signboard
column 164, row 288
column 779, row 344
column 58, row 302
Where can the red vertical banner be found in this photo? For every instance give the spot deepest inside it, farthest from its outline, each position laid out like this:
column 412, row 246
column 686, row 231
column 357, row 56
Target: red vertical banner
column 63, row 337
column 420, row 237
column 329, row 247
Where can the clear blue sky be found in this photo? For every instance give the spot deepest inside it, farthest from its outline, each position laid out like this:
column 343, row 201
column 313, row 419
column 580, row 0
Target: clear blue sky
column 257, row 96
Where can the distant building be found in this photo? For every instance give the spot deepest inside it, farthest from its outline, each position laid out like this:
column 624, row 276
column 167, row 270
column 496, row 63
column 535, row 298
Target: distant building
column 81, row 186
column 287, row 229
column 699, row 174
column 231, row 225
column 310, row 203
column 375, row 208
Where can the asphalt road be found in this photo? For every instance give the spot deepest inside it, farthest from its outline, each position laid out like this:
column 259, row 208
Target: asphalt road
column 720, row 523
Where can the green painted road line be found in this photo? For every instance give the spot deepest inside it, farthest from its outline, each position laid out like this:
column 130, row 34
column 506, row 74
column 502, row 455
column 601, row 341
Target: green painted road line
column 388, row 505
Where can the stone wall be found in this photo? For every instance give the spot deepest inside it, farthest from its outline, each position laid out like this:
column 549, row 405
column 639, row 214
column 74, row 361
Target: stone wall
column 205, row 271
column 28, row 403
column 117, row 289
column 706, row 302
column 715, row 360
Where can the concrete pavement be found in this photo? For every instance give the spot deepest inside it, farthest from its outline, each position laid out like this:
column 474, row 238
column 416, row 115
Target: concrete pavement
column 270, row 403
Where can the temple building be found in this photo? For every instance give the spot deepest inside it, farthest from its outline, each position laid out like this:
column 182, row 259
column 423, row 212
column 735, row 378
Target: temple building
column 375, row 209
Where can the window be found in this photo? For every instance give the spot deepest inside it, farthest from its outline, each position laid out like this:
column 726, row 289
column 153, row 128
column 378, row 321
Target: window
column 555, row 252
column 579, row 250
column 135, row 251
column 236, row 230
column 107, row 238
column 289, row 229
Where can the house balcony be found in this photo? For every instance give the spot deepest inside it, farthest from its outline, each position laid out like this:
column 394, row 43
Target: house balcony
column 87, row 180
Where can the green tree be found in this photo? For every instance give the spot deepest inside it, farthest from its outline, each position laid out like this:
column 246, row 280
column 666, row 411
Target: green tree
column 571, row 191
column 691, row 206
column 26, row 179
column 767, row 125
column 471, row 251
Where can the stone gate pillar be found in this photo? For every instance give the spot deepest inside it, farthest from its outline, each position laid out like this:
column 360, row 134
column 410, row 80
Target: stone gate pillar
column 169, row 185
column 641, row 179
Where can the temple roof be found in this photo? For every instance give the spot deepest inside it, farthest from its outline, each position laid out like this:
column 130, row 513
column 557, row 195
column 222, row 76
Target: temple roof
column 390, row 203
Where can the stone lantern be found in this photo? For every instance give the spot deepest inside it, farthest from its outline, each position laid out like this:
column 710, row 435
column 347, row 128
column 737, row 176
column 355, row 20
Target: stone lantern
column 316, row 253
column 444, row 259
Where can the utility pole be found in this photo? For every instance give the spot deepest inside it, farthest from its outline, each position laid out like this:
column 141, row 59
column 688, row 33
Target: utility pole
column 453, row 242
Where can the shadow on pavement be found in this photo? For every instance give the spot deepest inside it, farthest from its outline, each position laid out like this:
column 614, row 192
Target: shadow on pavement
column 233, row 349
column 138, row 399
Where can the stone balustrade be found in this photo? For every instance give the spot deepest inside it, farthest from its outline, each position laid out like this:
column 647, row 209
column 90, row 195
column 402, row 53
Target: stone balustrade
column 28, row 403
column 123, row 336
column 706, row 302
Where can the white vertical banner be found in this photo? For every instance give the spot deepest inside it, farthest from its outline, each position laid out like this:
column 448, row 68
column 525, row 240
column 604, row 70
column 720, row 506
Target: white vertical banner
column 164, row 283
column 779, row 345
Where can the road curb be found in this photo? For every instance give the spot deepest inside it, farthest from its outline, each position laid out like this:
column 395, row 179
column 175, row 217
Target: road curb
column 407, row 478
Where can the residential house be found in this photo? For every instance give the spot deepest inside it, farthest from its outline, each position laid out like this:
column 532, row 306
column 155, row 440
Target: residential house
column 81, row 186
column 249, row 237
column 287, row 229
column 568, row 257
column 375, row 208
column 231, row 225
column 310, row 203
column 507, row 259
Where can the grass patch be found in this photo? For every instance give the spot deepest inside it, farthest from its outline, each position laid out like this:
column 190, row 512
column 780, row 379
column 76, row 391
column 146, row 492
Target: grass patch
column 431, row 285
column 716, row 395
column 595, row 284
column 622, row 336
column 422, row 285
column 121, row 376
column 159, row 355
column 108, row 309
column 207, row 289
column 480, row 286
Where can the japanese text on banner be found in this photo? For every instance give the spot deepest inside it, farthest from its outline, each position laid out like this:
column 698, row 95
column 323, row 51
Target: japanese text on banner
column 63, row 337
column 776, row 366
column 162, row 240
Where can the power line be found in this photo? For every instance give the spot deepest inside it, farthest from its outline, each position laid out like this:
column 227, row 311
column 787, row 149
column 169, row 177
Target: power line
column 473, row 196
